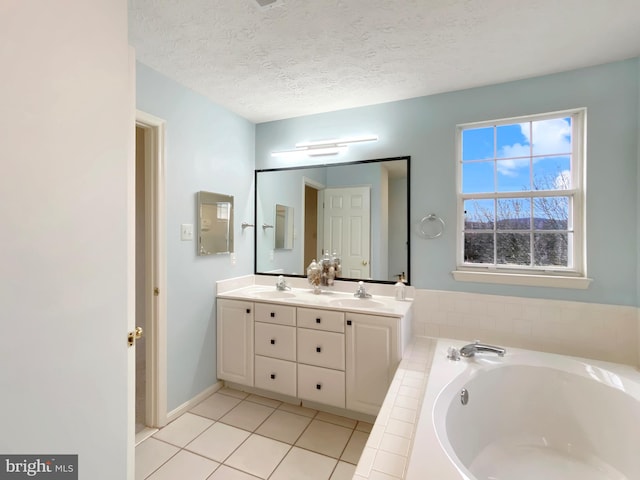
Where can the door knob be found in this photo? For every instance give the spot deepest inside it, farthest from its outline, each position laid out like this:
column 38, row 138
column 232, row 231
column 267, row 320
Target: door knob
column 365, row 262
column 135, row 335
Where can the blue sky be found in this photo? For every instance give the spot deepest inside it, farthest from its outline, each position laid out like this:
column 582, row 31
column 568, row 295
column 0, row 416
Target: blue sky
column 513, row 150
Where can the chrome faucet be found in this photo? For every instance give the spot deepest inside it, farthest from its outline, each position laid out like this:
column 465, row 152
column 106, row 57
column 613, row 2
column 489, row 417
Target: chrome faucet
column 281, row 284
column 361, row 292
column 477, row 347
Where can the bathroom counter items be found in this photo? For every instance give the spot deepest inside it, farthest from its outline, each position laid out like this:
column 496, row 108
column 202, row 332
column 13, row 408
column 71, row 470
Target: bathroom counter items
column 388, row 449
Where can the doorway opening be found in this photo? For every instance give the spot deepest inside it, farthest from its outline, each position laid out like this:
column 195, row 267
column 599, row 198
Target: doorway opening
column 150, row 294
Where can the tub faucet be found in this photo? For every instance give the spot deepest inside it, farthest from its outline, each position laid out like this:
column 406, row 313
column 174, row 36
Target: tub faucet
column 477, row 347
column 282, row 284
column 361, row 292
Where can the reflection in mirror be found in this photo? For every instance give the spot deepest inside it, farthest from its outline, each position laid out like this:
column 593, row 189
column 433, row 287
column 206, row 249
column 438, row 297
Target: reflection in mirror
column 284, row 227
column 215, row 223
column 358, row 211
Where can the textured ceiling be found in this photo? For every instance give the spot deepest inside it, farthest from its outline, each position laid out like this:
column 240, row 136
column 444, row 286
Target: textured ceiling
column 308, row 56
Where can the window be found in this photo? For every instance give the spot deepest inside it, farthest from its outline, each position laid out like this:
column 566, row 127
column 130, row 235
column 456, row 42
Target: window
column 520, row 197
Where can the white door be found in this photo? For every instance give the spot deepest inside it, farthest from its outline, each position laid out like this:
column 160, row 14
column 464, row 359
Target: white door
column 235, row 341
column 347, row 220
column 67, row 125
column 371, row 360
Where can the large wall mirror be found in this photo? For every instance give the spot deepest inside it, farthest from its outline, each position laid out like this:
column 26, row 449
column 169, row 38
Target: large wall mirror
column 358, row 211
column 215, row 223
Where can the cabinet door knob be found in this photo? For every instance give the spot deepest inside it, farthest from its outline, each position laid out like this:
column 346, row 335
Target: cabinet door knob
column 273, row 376
column 348, row 322
column 318, row 386
column 273, row 314
column 318, row 349
column 318, row 320
column 273, row 341
column 248, row 310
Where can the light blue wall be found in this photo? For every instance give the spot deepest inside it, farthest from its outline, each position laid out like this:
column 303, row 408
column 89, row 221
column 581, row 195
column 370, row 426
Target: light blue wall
column 207, row 148
column 424, row 128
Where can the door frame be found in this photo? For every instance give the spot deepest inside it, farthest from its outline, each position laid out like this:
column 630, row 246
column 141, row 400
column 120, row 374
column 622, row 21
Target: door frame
column 155, row 269
column 308, row 182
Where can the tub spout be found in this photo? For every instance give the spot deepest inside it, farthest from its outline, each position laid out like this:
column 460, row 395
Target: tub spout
column 477, row 347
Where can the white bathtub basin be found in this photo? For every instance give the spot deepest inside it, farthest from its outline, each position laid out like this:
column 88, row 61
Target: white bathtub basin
column 530, row 416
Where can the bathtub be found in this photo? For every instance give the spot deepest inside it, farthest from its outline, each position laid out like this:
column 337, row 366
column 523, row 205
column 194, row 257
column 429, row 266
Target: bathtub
column 528, row 415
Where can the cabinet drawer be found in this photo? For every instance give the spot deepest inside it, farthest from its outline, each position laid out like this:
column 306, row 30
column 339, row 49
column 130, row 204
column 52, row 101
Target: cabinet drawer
column 277, row 341
column 321, row 319
column 275, row 375
column 324, row 349
column 321, row 385
column 271, row 313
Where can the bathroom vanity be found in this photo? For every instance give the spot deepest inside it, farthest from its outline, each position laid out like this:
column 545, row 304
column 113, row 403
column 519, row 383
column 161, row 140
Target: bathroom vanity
column 329, row 349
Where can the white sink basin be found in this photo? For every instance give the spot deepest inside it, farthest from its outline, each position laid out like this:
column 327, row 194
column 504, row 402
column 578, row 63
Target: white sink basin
column 356, row 303
column 273, row 294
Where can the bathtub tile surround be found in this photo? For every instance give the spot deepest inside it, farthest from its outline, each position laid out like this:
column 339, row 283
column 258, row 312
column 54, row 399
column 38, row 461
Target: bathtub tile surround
column 602, row 332
column 277, row 441
column 388, row 448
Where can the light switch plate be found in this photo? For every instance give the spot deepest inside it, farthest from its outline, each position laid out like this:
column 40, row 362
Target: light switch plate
column 186, row 231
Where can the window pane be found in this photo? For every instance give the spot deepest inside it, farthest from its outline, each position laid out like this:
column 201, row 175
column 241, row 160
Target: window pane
column 477, row 143
column 552, row 173
column 551, row 249
column 550, row 213
column 477, row 177
column 514, row 175
column 478, row 248
column 551, row 136
column 512, row 140
column 514, row 214
column 513, row 249
column 479, row 214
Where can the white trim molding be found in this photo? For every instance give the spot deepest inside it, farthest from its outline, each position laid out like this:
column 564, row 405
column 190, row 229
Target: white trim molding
column 532, row 280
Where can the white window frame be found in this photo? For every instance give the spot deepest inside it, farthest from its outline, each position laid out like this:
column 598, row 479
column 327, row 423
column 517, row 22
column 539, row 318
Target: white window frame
column 574, row 276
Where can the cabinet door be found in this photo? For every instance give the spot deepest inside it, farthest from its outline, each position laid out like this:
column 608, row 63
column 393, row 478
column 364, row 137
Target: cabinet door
column 235, row 341
column 371, row 361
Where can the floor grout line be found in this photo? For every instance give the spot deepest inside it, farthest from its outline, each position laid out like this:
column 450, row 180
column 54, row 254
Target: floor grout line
column 254, row 432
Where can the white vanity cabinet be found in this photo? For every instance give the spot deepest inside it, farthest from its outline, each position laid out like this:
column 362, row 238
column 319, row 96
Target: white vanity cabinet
column 373, row 352
column 235, row 341
column 310, row 348
column 275, row 348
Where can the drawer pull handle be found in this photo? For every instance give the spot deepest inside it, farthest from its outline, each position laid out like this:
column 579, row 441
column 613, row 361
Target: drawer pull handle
column 319, row 349
column 273, row 314
column 273, row 376
column 318, row 320
column 273, row 341
column 318, row 386
column 348, row 322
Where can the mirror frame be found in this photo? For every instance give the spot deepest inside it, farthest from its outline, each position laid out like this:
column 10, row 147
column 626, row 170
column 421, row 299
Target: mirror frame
column 337, row 164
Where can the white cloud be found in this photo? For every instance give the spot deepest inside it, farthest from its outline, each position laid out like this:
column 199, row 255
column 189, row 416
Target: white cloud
column 549, row 137
column 563, row 180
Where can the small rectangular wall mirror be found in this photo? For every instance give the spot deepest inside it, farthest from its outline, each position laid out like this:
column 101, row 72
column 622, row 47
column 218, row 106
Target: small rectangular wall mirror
column 284, row 227
column 215, row 223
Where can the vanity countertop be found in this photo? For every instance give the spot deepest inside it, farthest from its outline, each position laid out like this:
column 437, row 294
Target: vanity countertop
column 328, row 299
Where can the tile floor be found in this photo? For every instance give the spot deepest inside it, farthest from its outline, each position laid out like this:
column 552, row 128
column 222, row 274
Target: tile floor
column 235, row 436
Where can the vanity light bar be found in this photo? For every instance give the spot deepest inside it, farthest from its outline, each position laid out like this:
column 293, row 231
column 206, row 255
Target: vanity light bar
column 324, row 147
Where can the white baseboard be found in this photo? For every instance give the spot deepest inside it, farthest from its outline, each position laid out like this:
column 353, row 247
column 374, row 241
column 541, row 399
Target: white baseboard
column 189, row 404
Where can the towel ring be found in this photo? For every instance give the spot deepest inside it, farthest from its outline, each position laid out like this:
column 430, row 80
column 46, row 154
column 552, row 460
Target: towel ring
column 428, row 229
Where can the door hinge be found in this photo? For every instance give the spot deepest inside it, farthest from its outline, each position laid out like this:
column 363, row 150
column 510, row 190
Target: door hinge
column 156, row 291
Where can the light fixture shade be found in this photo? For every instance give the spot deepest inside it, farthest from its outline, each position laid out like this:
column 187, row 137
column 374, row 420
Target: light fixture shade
column 323, row 147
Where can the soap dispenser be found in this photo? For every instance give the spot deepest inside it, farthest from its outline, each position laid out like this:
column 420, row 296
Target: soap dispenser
column 400, row 290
